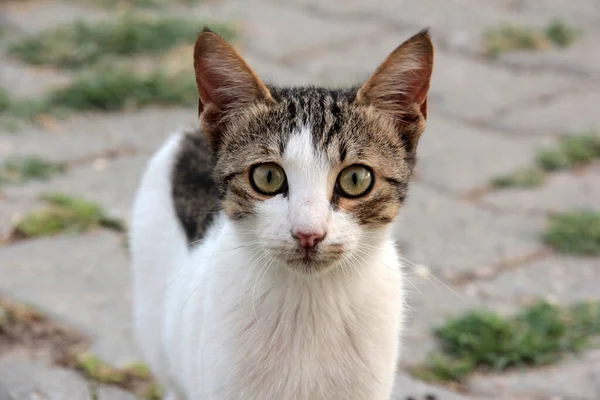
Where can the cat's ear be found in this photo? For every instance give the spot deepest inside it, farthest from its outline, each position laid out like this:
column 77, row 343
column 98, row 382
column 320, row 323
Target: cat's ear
column 399, row 86
column 225, row 82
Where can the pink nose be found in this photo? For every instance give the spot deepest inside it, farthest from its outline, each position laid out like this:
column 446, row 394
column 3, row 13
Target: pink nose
column 308, row 240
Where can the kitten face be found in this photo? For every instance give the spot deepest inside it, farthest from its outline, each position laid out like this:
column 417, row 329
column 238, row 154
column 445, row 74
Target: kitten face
column 312, row 174
column 318, row 138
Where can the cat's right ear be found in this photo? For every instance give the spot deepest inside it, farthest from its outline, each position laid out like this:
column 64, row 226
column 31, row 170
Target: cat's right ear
column 225, row 82
column 402, row 81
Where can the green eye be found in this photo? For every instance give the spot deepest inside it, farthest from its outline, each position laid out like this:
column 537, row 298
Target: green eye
column 355, row 181
column 268, row 178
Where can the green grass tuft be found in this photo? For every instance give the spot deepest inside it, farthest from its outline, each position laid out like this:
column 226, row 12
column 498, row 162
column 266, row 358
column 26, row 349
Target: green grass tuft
column 84, row 43
column 28, row 109
column 94, row 369
column 440, row 368
column 153, row 392
column 134, row 377
column 561, row 34
column 481, row 339
column 575, row 232
column 521, row 178
column 4, row 100
column 139, row 370
column 112, row 84
column 552, row 160
column 118, row 89
column 585, row 318
column 12, row 111
column 25, row 168
column 107, row 90
column 64, row 214
column 571, row 152
column 509, row 37
column 3, row 316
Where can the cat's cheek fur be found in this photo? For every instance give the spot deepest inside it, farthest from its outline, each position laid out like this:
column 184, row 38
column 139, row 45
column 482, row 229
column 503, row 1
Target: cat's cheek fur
column 271, row 224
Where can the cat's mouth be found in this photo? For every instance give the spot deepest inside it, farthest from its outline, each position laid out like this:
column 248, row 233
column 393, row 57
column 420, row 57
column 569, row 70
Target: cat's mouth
column 314, row 260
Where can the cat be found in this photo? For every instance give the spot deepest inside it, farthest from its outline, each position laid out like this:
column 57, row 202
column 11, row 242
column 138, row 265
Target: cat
column 263, row 261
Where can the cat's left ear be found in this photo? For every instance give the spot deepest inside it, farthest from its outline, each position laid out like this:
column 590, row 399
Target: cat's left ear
column 399, row 86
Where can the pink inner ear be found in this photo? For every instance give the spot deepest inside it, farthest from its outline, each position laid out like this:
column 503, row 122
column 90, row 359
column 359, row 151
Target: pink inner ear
column 419, row 82
column 415, row 83
column 205, row 88
column 424, row 108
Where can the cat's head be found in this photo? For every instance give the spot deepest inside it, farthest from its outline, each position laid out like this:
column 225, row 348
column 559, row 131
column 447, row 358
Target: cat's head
column 312, row 176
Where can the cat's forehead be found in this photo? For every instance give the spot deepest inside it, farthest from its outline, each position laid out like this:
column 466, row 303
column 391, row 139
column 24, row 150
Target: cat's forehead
column 313, row 99
column 323, row 112
column 338, row 127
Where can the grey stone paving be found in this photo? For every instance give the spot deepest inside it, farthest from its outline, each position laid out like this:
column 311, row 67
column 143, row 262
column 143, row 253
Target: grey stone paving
column 112, row 393
column 558, row 279
column 32, row 381
column 443, row 232
column 567, row 114
column 477, row 154
column 108, row 181
column 24, row 81
column 4, row 395
column 561, row 191
column 573, row 380
column 409, row 388
column 467, row 246
column 84, row 137
column 82, row 279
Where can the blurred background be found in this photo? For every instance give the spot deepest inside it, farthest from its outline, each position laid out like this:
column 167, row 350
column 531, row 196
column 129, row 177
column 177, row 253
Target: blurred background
column 501, row 233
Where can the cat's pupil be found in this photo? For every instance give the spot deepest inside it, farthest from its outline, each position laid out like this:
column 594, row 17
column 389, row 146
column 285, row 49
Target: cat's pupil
column 354, row 178
column 269, row 176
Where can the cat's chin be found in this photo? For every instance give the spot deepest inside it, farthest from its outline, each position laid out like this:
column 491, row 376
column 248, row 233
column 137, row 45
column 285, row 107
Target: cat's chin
column 310, row 265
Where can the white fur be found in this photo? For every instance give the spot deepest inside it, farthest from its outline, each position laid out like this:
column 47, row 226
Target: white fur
column 229, row 320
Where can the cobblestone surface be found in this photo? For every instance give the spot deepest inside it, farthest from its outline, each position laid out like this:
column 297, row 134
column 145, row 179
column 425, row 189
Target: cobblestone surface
column 32, row 381
column 574, row 379
column 466, row 245
column 560, row 192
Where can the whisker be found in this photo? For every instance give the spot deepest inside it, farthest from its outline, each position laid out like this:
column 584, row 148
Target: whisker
column 424, row 272
column 344, row 272
column 418, row 270
column 415, row 286
column 254, row 287
column 270, row 262
column 355, row 266
column 190, row 297
column 252, row 261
